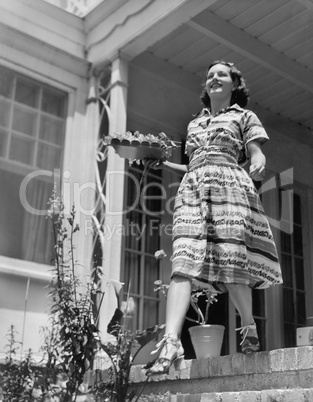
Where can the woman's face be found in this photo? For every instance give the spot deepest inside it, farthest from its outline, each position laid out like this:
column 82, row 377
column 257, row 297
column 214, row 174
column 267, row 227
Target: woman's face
column 219, row 84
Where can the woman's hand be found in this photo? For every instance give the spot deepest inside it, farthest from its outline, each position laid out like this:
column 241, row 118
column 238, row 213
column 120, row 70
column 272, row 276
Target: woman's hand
column 258, row 161
column 152, row 163
column 257, row 171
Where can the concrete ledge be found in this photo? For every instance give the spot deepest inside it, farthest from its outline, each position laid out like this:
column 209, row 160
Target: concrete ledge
column 277, row 369
column 278, row 395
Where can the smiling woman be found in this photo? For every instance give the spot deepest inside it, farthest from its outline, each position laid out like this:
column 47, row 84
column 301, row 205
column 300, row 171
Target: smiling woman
column 221, row 236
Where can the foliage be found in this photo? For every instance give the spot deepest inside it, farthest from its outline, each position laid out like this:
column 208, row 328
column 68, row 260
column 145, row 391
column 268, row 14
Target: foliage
column 122, row 353
column 16, row 378
column 72, row 341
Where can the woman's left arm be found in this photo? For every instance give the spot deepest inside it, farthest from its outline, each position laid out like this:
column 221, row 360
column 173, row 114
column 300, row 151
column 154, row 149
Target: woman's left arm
column 258, row 161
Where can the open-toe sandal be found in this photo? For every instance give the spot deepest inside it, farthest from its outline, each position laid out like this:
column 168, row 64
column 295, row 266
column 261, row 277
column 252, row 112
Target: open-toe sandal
column 250, row 341
column 172, row 352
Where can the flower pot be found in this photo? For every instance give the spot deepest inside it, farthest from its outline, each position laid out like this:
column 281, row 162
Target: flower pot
column 207, row 340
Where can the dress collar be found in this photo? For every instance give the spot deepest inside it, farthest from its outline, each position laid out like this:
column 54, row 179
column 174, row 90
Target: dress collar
column 226, row 109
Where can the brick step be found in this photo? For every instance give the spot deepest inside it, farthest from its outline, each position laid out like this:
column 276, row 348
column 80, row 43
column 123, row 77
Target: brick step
column 282, row 369
column 269, row 395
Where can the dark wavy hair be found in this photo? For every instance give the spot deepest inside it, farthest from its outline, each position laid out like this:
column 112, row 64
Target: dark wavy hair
column 240, row 94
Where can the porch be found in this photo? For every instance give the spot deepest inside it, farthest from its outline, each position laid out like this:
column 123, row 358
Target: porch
column 278, row 375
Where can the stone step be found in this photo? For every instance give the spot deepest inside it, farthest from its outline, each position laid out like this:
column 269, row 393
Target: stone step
column 269, row 395
column 282, row 369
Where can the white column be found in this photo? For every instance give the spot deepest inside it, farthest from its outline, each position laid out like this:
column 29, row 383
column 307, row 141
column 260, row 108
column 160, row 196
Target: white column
column 114, row 192
column 78, row 184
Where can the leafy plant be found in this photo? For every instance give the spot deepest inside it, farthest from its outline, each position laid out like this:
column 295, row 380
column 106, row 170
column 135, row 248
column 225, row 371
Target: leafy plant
column 72, row 341
column 16, row 377
column 71, row 309
column 122, row 353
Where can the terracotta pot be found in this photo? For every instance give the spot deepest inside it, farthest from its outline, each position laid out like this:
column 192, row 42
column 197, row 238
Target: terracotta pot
column 207, row 340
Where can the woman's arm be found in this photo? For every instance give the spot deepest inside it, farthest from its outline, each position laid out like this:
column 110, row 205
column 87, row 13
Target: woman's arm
column 156, row 164
column 258, row 161
column 176, row 166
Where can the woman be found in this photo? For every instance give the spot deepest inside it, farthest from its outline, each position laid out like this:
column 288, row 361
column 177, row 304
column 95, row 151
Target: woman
column 221, row 236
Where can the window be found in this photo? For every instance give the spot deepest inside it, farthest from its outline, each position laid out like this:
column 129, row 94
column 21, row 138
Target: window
column 142, row 240
column 32, row 127
column 292, row 260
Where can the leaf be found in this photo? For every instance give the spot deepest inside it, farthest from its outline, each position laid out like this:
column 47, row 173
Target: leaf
column 112, row 327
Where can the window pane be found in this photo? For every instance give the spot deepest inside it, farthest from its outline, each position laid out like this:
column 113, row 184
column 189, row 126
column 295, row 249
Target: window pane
column 287, row 270
column 132, row 320
column 288, row 306
column 6, row 82
column 4, row 113
column 48, row 157
column 301, row 315
column 258, row 302
column 133, row 190
column 151, row 313
column 285, row 242
column 152, row 235
column 152, row 273
column 299, row 273
column 27, row 236
column 133, row 230
column 131, row 273
column 297, row 209
column 53, row 102
column 51, row 130
column 22, row 150
column 290, row 336
column 3, row 142
column 297, row 240
column 27, row 93
column 152, row 198
column 24, row 121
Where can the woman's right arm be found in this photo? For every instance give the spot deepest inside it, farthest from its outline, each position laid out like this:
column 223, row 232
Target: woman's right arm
column 156, row 164
column 175, row 166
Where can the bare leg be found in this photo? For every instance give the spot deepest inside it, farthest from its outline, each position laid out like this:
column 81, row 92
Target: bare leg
column 241, row 296
column 178, row 301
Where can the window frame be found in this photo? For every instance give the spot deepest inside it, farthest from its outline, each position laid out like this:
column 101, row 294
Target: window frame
column 18, row 266
column 142, row 254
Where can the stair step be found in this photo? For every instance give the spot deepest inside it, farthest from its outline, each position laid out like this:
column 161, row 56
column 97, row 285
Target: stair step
column 269, row 395
column 280, row 372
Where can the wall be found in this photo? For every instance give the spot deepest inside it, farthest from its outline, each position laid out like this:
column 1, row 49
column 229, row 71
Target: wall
column 47, row 44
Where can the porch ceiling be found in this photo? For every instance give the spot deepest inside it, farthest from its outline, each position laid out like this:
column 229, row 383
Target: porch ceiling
column 271, row 42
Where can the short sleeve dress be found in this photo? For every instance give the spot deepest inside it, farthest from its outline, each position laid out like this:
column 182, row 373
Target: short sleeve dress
column 220, row 231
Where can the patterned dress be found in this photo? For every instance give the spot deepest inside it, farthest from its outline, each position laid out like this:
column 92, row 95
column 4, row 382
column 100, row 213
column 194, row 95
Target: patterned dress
column 221, row 234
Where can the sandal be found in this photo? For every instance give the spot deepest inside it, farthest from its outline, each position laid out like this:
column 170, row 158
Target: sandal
column 250, row 341
column 174, row 354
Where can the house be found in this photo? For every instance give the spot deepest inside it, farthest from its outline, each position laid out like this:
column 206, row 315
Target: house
column 146, row 59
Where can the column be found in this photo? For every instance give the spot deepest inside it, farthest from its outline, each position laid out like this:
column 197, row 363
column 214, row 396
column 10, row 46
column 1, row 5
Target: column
column 114, row 192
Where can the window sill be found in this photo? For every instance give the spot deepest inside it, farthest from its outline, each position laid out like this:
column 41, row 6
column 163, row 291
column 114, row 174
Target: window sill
column 29, row 269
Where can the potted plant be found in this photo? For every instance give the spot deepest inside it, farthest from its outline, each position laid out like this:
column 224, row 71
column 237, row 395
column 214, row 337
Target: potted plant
column 206, row 338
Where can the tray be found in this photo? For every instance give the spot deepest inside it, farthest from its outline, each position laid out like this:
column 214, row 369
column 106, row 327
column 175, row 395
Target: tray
column 137, row 146
column 137, row 150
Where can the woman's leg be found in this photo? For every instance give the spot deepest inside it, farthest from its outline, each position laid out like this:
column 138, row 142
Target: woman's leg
column 241, row 296
column 178, row 301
